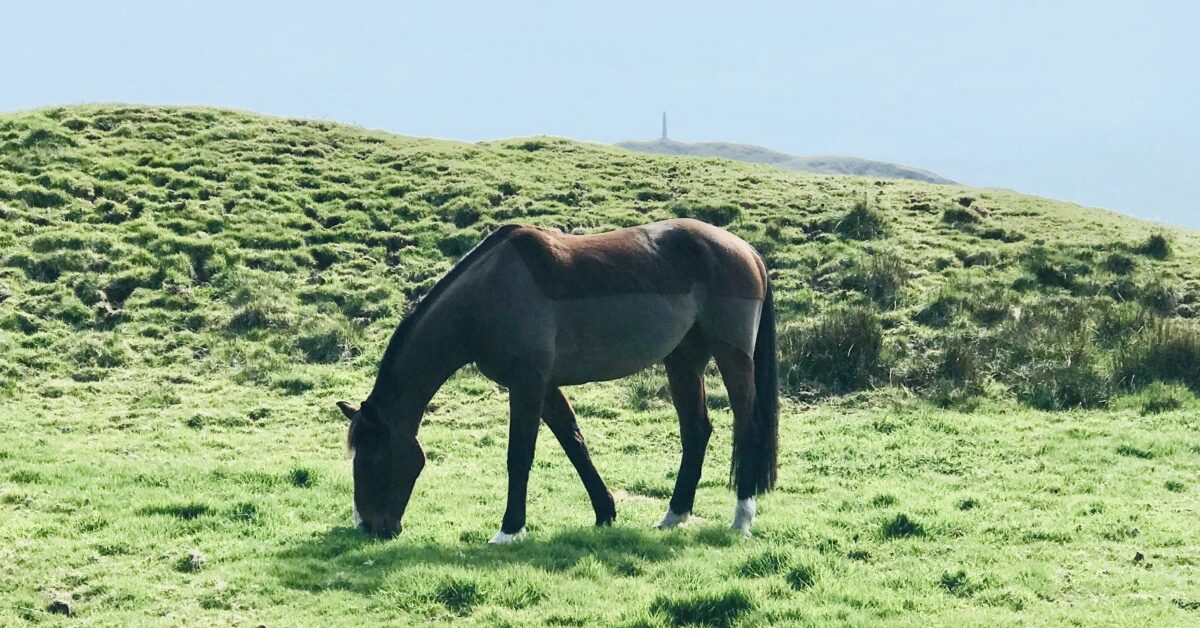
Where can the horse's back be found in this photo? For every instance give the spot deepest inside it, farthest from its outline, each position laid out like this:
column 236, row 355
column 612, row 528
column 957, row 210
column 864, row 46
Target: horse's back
column 604, row 306
column 668, row 257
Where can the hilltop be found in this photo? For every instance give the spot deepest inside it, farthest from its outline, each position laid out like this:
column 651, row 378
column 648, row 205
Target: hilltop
column 816, row 164
column 990, row 411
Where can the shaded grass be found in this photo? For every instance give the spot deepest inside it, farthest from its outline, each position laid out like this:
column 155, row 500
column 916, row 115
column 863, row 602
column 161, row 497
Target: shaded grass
column 765, row 564
column 709, row 609
column 459, row 595
column 901, row 526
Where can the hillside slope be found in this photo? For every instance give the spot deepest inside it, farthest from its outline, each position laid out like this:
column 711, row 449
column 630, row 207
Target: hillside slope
column 816, row 164
column 184, row 292
column 167, row 235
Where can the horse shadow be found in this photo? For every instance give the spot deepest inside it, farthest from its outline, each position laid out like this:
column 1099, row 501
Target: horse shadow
column 346, row 559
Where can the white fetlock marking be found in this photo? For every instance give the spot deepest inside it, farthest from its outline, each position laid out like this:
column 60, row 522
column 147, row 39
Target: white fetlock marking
column 500, row 538
column 743, row 515
column 357, row 518
column 670, row 521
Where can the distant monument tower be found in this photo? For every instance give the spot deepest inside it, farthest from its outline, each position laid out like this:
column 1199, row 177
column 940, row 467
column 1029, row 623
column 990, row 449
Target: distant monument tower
column 664, row 125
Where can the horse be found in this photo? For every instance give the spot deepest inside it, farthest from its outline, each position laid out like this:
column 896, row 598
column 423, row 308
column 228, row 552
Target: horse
column 537, row 309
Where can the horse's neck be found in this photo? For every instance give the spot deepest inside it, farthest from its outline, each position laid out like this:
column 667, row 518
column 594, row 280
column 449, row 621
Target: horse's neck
column 410, row 376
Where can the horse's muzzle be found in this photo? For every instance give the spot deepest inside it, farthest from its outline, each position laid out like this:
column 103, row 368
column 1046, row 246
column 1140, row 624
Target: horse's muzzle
column 383, row 529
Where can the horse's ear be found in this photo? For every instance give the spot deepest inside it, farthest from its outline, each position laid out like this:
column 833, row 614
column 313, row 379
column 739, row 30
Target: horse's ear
column 347, row 410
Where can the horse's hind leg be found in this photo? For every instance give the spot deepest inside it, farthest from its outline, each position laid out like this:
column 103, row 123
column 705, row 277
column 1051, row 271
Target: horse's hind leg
column 560, row 418
column 685, row 373
column 737, row 371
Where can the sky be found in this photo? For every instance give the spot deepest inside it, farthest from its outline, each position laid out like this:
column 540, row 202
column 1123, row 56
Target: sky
column 1092, row 102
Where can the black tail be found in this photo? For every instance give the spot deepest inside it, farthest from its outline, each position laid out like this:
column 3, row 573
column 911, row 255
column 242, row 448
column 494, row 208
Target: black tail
column 756, row 447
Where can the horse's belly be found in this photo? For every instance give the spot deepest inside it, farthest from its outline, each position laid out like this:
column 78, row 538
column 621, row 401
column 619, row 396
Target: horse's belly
column 601, row 338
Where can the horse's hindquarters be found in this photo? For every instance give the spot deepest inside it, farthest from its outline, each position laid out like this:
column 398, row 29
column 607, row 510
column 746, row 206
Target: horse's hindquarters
column 601, row 338
column 733, row 320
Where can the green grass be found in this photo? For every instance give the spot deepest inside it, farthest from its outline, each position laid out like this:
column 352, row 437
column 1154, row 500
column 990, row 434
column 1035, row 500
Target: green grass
column 185, row 292
column 107, row 503
column 151, row 237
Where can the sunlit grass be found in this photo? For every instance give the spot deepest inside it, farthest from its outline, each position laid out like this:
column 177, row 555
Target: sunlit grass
column 129, row 514
column 185, row 292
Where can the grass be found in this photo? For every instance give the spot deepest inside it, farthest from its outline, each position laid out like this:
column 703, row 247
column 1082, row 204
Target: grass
column 106, row 503
column 147, row 236
column 839, row 351
column 711, row 609
column 185, row 292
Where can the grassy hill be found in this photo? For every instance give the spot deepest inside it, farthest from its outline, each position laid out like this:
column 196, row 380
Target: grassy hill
column 990, row 404
column 817, row 164
column 146, row 237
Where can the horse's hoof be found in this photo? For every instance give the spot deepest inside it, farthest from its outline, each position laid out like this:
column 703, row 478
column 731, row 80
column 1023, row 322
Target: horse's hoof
column 743, row 515
column 502, row 538
column 670, row 521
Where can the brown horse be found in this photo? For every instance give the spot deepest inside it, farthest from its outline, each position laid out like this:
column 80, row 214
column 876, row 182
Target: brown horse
column 536, row 310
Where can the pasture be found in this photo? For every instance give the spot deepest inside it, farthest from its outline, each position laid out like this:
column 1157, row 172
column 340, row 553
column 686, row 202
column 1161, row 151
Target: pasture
column 158, row 498
column 990, row 412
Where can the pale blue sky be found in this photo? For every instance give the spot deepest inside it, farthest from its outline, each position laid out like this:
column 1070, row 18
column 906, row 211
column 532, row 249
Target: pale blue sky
column 1094, row 102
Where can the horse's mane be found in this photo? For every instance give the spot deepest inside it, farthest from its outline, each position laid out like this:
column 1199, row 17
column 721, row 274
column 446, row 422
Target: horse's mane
column 400, row 336
column 404, row 330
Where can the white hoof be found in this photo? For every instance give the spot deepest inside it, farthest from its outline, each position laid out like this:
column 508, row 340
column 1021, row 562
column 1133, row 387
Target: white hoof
column 743, row 515
column 670, row 521
column 500, row 538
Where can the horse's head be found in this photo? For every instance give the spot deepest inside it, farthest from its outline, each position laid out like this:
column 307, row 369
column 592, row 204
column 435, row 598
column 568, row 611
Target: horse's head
column 387, row 461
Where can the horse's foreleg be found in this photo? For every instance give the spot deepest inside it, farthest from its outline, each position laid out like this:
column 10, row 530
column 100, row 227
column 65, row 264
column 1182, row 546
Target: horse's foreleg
column 525, row 415
column 685, row 374
column 560, row 418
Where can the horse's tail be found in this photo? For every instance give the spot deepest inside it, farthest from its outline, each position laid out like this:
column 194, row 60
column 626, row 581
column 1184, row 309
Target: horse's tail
column 756, row 446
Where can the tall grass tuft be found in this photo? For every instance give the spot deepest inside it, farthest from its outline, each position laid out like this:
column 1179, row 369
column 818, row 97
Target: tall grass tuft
column 861, row 223
column 1157, row 246
column 459, row 595
column 647, row 390
column 1050, row 358
column 259, row 298
column 1119, row 264
column 841, row 351
column 327, row 340
column 881, row 277
column 705, row 609
column 901, row 526
column 961, row 361
column 1160, row 295
column 959, row 216
column 1159, row 397
column 1166, row 351
column 765, row 564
